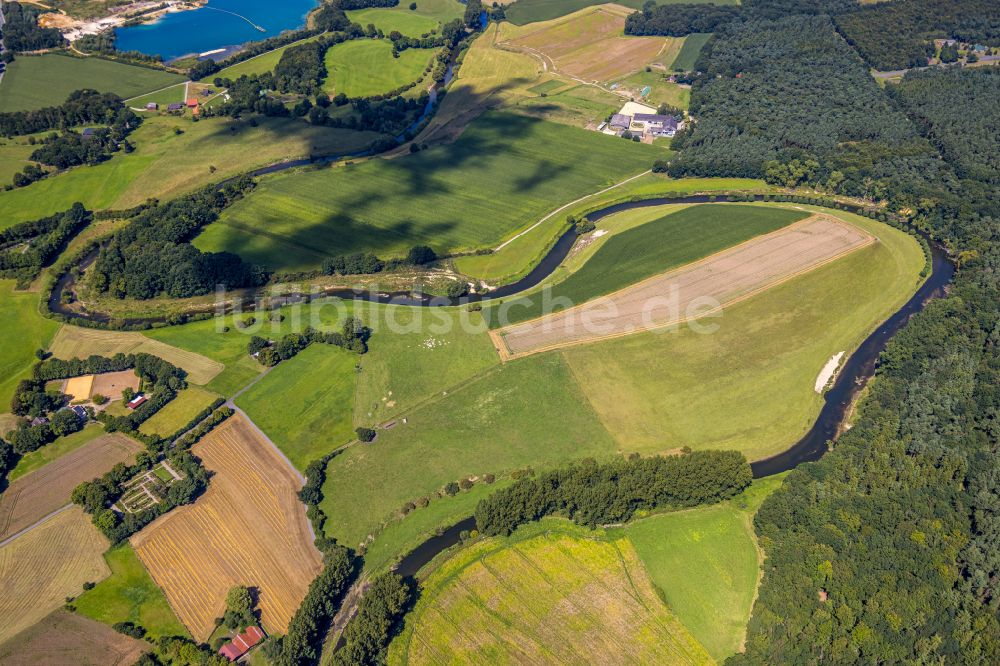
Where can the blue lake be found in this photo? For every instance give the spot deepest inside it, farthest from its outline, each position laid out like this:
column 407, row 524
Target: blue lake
column 214, row 27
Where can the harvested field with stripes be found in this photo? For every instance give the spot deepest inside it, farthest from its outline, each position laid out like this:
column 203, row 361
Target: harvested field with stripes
column 77, row 342
column 68, row 638
column 39, row 569
column 34, row 496
column 249, row 528
column 691, row 291
column 553, row 598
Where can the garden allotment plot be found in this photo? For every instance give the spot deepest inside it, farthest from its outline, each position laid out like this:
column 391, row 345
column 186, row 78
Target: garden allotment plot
column 696, row 289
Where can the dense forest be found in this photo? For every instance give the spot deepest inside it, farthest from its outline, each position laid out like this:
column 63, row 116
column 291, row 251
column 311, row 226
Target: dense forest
column 28, row 247
column 790, row 101
column 680, row 20
column 152, row 255
column 885, row 550
column 913, row 25
column 21, row 31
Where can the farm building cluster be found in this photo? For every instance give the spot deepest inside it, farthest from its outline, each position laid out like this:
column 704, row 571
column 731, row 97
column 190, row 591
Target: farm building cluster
column 643, row 121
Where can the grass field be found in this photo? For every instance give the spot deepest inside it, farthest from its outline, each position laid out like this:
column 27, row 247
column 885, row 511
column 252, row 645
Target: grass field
column 33, row 82
column 44, row 566
column 661, row 91
column 519, row 256
column 265, row 62
column 129, row 595
column 33, row 496
column 688, row 56
column 365, row 67
column 67, row 638
column 225, row 348
column 500, row 422
column 558, row 597
column 178, row 412
column 77, row 342
column 706, row 565
column 29, row 331
column 166, row 164
column 438, row 196
column 305, row 404
column 530, row 11
column 441, row 11
column 43, row 456
column 195, row 555
column 669, row 242
column 407, row 22
column 748, row 385
column 163, row 97
column 590, row 44
column 14, row 153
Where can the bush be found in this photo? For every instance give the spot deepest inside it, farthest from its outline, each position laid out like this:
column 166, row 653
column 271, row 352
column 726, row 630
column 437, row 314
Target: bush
column 451, row 489
column 420, row 254
column 465, row 484
column 457, row 289
column 365, row 434
column 99, row 399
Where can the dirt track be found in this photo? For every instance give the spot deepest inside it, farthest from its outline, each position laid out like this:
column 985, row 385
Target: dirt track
column 248, row 529
column 36, row 495
column 690, row 291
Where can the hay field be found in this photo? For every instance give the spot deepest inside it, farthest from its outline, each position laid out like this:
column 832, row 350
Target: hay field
column 530, row 11
column 590, row 44
column 78, row 342
column 39, row 569
column 691, row 291
column 67, row 638
column 438, row 197
column 33, row 496
column 33, row 82
column 748, row 385
column 553, row 598
column 365, row 67
column 249, row 528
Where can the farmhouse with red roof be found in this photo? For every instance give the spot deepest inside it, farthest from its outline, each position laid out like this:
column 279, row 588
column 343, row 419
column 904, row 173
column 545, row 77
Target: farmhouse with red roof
column 242, row 643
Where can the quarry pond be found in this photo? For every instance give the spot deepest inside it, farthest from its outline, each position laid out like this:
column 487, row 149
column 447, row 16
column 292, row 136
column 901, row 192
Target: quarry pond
column 217, row 25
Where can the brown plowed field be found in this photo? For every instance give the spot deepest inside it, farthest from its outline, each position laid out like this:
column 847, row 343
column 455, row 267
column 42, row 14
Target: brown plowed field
column 590, row 44
column 111, row 384
column 68, row 639
column 691, row 291
column 40, row 568
column 34, row 496
column 249, row 528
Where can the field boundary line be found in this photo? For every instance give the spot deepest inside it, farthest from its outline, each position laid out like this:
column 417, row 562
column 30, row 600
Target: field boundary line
column 36, row 524
column 153, row 92
column 697, row 262
column 869, row 240
column 564, row 207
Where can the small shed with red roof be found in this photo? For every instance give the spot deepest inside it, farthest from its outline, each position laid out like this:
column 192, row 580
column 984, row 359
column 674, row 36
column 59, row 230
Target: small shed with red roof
column 242, row 643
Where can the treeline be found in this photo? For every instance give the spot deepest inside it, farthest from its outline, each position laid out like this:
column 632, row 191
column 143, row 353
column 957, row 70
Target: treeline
column 790, row 101
column 96, row 497
column 27, row 438
column 80, row 108
column 353, row 336
column 680, row 19
column 913, row 25
column 594, row 494
column 362, row 263
column 21, row 31
column 73, row 149
column 301, row 68
column 153, row 256
column 367, row 636
column 45, row 239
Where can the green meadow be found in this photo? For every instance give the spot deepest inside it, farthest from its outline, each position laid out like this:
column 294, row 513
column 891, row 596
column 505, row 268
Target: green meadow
column 33, row 82
column 265, row 62
column 365, row 67
column 166, row 164
column 305, row 403
column 688, row 56
column 528, row 412
column 499, row 176
column 706, row 565
column 747, row 383
column 178, row 412
column 129, row 594
column 27, row 331
column 655, row 247
column 407, row 22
